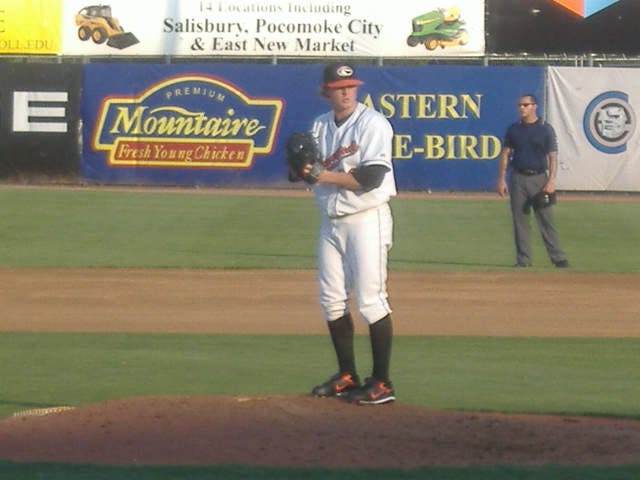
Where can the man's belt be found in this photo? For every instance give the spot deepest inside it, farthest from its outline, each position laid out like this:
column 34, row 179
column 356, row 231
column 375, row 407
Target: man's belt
column 528, row 171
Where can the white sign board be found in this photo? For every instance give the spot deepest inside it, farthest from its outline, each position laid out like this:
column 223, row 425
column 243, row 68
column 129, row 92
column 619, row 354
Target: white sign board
column 275, row 28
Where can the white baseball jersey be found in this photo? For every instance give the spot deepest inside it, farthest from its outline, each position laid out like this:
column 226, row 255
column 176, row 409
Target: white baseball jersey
column 364, row 139
column 356, row 226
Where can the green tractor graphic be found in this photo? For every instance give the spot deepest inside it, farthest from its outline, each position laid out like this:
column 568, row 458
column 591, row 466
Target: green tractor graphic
column 438, row 28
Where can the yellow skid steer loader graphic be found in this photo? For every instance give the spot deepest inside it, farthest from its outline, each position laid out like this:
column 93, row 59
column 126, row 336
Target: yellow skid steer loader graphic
column 95, row 22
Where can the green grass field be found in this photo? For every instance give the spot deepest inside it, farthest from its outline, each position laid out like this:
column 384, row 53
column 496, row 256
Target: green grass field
column 79, row 228
column 587, row 376
column 183, row 229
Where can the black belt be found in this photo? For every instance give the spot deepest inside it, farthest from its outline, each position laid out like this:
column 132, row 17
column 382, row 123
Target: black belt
column 527, row 171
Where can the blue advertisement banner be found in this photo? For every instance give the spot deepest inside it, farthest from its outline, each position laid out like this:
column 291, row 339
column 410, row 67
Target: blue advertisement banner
column 224, row 125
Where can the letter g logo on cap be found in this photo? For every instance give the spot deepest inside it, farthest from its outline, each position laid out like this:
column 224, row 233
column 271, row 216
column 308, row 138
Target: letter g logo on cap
column 344, row 71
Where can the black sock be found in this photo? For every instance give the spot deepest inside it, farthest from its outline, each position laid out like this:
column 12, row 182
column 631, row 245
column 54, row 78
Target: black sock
column 381, row 334
column 342, row 337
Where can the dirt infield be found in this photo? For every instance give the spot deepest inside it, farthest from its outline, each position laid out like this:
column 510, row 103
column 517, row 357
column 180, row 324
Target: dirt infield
column 304, row 431
column 299, row 430
column 518, row 303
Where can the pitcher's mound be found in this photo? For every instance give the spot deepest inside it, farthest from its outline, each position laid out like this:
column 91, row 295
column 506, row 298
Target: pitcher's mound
column 297, row 430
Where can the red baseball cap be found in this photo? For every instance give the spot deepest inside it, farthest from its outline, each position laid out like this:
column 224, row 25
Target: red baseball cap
column 338, row 75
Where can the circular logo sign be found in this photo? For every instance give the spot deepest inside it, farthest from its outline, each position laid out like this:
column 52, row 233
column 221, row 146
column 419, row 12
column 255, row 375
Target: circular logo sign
column 609, row 122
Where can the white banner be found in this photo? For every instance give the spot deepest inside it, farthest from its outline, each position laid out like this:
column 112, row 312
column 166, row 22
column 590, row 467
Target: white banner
column 275, row 28
column 593, row 111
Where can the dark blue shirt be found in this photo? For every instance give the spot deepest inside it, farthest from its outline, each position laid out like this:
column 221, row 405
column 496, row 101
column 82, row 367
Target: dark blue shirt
column 530, row 144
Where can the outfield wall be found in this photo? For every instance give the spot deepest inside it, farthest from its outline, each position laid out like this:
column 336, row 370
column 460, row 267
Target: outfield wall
column 447, row 120
column 39, row 120
column 223, row 125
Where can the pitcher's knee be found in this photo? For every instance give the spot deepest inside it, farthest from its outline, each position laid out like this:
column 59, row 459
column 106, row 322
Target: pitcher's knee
column 334, row 311
column 373, row 313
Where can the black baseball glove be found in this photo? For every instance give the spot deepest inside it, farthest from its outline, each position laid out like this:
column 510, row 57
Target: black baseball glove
column 301, row 150
column 540, row 200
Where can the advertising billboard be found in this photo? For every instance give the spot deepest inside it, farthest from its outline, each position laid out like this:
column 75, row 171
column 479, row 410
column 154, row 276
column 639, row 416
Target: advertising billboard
column 225, row 124
column 599, row 137
column 39, row 119
column 573, row 27
column 30, row 27
column 351, row 28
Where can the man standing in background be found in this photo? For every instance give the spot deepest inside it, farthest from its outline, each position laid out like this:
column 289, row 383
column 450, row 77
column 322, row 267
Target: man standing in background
column 530, row 149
